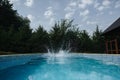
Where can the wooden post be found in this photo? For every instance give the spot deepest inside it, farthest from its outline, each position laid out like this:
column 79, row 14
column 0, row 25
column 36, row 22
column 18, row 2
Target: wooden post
column 116, row 46
column 111, row 46
column 106, row 43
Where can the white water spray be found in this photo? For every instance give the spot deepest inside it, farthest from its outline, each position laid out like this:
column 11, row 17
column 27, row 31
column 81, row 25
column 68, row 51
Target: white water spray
column 61, row 53
column 57, row 58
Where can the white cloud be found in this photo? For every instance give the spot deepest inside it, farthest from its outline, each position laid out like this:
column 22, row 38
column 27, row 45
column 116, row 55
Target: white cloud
column 117, row 4
column 69, row 15
column 106, row 3
column 87, row 1
column 30, row 17
column 49, row 12
column 71, row 8
column 52, row 21
column 29, row 3
column 68, row 8
column 96, row 4
column 82, row 6
column 84, row 13
column 73, row 4
column 100, row 8
column 91, row 22
column 84, row 3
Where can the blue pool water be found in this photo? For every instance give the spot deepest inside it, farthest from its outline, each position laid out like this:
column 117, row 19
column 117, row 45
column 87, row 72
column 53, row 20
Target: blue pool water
column 57, row 67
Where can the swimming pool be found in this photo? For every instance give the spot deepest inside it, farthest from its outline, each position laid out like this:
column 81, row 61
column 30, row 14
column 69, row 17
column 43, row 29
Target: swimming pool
column 57, row 67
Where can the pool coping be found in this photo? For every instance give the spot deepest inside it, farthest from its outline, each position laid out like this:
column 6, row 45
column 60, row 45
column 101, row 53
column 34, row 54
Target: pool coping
column 71, row 53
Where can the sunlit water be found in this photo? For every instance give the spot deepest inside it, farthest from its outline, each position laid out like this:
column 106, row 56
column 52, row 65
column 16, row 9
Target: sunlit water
column 61, row 66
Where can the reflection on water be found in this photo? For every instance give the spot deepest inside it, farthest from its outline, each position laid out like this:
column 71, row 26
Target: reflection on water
column 62, row 66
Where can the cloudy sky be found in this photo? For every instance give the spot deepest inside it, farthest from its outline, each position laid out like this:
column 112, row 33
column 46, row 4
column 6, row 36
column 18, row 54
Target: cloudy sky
column 86, row 13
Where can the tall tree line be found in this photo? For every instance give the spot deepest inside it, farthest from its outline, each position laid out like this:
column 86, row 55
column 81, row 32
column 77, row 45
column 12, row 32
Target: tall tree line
column 17, row 36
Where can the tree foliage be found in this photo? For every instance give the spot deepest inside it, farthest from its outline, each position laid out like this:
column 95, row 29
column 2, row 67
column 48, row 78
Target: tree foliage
column 17, row 36
column 39, row 40
column 58, row 35
column 98, row 41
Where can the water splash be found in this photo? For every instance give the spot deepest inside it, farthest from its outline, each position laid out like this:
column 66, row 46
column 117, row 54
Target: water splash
column 57, row 58
column 61, row 53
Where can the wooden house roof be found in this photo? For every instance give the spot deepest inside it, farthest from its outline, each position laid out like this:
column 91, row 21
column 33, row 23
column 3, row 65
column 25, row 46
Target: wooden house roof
column 113, row 27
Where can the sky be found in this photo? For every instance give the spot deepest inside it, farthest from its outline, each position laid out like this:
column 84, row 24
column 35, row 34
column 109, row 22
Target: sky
column 85, row 13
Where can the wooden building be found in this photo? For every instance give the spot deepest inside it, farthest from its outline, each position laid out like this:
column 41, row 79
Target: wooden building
column 112, row 37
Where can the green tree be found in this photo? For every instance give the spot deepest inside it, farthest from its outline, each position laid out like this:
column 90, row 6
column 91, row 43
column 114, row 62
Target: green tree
column 15, row 29
column 58, row 35
column 9, row 17
column 98, row 41
column 21, row 39
column 72, row 39
column 17, row 36
column 39, row 40
column 86, row 43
